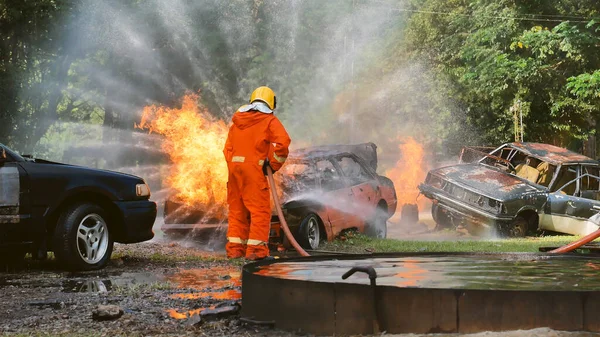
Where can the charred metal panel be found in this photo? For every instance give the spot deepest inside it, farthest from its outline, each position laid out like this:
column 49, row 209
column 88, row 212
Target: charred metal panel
column 489, row 310
column 418, row 310
column 488, row 181
column 552, row 154
column 366, row 151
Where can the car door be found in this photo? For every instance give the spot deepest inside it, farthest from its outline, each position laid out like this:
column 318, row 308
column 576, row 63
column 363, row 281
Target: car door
column 10, row 189
column 364, row 190
column 336, row 195
column 572, row 206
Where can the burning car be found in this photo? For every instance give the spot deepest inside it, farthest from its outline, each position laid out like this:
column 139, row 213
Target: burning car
column 517, row 188
column 325, row 190
column 76, row 212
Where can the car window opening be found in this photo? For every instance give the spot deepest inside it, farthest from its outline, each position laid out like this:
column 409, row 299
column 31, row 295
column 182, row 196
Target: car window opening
column 522, row 165
column 353, row 170
column 329, row 177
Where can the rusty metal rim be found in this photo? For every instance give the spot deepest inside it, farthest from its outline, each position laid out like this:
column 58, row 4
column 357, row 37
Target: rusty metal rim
column 249, row 267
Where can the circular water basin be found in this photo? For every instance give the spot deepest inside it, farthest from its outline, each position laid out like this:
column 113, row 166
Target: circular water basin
column 424, row 293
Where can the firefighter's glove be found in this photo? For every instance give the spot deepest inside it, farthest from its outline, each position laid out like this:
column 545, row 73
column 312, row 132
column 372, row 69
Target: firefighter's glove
column 265, row 165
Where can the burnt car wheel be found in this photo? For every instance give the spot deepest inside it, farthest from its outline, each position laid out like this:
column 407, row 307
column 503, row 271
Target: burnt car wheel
column 82, row 240
column 309, row 232
column 377, row 227
column 442, row 220
column 517, row 228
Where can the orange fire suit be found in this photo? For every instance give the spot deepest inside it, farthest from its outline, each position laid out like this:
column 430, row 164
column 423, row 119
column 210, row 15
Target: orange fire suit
column 253, row 137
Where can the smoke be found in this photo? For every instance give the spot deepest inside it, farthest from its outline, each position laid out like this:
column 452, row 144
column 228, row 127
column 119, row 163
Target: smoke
column 321, row 57
column 324, row 59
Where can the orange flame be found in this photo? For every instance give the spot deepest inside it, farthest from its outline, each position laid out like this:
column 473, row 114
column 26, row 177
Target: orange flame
column 194, row 143
column 410, row 170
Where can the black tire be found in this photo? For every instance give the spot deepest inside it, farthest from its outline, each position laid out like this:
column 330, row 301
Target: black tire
column 377, row 227
column 78, row 230
column 309, row 232
column 516, row 229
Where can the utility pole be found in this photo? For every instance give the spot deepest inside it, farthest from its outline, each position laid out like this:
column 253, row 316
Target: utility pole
column 518, row 120
column 521, row 113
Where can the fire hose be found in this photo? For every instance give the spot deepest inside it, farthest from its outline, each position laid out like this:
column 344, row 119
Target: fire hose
column 576, row 244
column 284, row 225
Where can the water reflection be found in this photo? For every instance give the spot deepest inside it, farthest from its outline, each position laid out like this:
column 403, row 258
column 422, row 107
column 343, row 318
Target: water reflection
column 498, row 272
column 232, row 294
column 209, row 278
column 173, row 313
column 210, row 284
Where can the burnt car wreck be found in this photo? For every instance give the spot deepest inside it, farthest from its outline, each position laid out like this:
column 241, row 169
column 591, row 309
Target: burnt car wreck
column 518, row 188
column 325, row 190
column 75, row 212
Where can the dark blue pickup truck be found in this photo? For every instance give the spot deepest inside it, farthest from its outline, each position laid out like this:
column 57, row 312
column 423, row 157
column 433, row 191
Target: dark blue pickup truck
column 75, row 212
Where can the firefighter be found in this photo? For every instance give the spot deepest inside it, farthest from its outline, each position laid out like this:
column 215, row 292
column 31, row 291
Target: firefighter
column 256, row 139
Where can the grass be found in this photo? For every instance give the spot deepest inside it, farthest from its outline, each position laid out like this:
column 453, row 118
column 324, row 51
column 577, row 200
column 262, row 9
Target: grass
column 358, row 243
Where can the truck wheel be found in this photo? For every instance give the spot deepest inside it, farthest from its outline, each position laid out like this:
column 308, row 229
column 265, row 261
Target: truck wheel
column 309, row 232
column 377, row 227
column 82, row 239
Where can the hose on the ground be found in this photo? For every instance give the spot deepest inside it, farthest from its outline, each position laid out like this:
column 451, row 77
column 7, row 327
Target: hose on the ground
column 286, row 229
column 576, row 244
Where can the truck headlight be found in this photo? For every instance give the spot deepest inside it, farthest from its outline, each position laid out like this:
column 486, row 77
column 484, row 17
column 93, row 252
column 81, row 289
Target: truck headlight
column 142, row 190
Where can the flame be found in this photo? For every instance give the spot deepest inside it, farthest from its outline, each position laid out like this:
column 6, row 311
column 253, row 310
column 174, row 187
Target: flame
column 410, row 170
column 194, row 143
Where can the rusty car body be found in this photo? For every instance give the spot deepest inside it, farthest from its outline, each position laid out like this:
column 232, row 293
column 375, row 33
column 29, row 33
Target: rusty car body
column 325, row 190
column 517, row 188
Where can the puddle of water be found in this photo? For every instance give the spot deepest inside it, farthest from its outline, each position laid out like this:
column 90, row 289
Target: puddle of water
column 496, row 272
column 209, row 284
column 176, row 314
column 87, row 286
column 79, row 284
column 209, row 278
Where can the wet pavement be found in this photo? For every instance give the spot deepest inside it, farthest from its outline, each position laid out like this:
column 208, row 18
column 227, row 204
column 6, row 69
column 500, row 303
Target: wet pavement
column 162, row 288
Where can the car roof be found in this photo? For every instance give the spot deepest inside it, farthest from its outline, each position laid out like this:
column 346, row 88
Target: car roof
column 367, row 152
column 313, row 154
column 552, row 154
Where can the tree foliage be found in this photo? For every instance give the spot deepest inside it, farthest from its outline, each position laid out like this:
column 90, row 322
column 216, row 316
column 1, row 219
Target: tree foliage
column 452, row 72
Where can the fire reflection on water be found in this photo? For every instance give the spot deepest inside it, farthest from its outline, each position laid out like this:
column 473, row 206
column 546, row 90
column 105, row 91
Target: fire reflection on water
column 213, row 284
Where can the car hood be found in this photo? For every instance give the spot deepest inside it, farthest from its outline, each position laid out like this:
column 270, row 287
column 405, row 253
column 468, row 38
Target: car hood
column 488, row 181
column 82, row 170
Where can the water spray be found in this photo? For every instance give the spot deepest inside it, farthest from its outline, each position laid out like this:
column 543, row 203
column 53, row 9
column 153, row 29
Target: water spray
column 284, row 225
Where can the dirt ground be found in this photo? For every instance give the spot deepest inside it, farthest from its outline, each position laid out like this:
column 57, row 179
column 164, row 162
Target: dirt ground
column 161, row 287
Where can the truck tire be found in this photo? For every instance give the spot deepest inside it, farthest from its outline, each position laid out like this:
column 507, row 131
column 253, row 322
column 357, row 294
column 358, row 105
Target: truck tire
column 82, row 240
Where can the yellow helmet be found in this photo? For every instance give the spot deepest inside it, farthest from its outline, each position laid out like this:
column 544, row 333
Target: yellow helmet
column 266, row 95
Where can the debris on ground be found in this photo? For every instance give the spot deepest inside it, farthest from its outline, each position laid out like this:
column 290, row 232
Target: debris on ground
column 107, row 312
